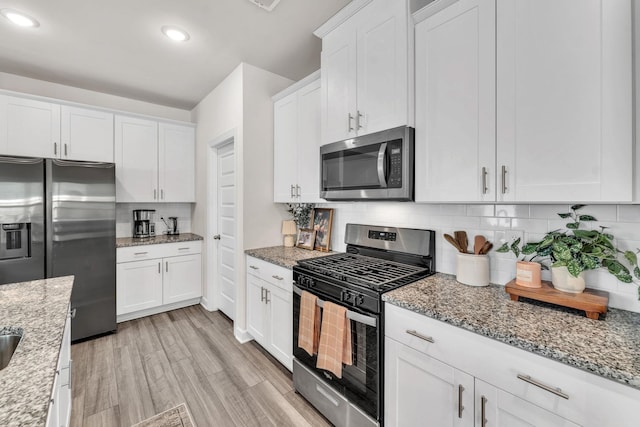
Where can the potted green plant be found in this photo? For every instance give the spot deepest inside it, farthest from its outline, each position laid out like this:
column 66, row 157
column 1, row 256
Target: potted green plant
column 573, row 251
column 301, row 213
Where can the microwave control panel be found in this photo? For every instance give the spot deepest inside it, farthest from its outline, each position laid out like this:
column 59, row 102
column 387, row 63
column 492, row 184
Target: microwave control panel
column 395, row 161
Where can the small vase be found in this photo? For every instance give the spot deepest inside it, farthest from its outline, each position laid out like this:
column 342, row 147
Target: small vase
column 528, row 274
column 563, row 281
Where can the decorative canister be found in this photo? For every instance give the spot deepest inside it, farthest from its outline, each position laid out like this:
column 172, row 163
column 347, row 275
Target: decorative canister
column 472, row 270
column 528, row 274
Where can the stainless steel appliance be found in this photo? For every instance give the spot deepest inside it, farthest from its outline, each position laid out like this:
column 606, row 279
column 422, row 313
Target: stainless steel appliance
column 63, row 213
column 172, row 225
column 379, row 166
column 143, row 223
column 378, row 259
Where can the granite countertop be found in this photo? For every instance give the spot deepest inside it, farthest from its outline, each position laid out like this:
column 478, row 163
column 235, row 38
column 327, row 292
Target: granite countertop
column 125, row 242
column 40, row 309
column 285, row 257
column 609, row 347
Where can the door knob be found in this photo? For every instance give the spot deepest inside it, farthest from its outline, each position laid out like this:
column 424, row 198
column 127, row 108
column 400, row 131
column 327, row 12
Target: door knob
column 216, row 237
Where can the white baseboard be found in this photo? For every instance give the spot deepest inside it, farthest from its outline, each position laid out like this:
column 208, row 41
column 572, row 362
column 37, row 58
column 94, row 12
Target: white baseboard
column 207, row 305
column 156, row 310
column 242, row 335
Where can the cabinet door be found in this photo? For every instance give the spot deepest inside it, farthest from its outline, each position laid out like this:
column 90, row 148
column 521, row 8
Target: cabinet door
column 455, row 104
column 29, row 127
column 285, row 148
column 136, row 155
column 176, row 163
column 182, row 278
column 504, row 409
column 564, row 100
column 339, row 84
column 382, row 67
column 420, row 388
column 65, row 367
column 86, row 135
column 138, row 286
column 280, row 321
column 309, row 143
column 256, row 309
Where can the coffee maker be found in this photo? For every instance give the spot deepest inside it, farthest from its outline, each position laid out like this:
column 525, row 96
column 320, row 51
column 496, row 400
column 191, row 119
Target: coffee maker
column 143, row 223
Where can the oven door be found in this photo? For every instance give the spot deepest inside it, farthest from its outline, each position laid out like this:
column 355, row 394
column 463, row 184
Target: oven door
column 360, row 382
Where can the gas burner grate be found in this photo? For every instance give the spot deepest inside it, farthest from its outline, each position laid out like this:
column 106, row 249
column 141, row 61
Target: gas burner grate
column 362, row 270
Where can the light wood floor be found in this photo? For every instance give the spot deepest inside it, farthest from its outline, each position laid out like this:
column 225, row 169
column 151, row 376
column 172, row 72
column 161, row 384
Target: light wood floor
column 188, row 355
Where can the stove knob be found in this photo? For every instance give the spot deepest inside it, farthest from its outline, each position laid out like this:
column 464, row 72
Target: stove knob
column 359, row 300
column 310, row 282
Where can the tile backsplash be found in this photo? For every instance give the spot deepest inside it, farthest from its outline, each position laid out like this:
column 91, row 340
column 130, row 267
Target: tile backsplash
column 124, row 216
column 498, row 223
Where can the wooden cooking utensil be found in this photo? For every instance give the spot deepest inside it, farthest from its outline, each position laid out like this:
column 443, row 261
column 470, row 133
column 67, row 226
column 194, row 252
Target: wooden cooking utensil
column 486, row 248
column 478, row 242
column 449, row 238
column 463, row 242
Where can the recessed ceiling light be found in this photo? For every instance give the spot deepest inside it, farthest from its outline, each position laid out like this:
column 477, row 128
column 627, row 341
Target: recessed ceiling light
column 19, row 18
column 175, row 34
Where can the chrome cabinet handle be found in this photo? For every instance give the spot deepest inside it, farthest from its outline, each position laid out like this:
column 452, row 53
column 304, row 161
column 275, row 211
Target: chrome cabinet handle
column 161, row 194
column 159, row 270
column 485, row 189
column 216, row 237
column 166, row 266
column 277, row 277
column 65, row 150
column 183, row 249
column 292, row 191
column 155, row 193
column 253, row 267
column 261, row 294
column 72, row 313
column 55, row 148
column 359, row 115
column 418, row 335
column 351, row 129
column 140, row 253
column 483, row 411
column 504, row 179
column 460, row 407
column 555, row 390
column 297, row 191
column 266, row 298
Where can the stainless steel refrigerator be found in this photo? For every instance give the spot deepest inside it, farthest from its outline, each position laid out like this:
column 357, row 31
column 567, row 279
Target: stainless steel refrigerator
column 57, row 218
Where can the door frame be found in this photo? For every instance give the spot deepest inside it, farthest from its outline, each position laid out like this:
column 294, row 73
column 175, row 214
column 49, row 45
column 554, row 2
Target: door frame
column 211, row 301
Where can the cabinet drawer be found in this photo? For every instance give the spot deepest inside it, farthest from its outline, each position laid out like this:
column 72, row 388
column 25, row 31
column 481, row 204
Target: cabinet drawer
column 163, row 250
column 182, row 248
column 274, row 274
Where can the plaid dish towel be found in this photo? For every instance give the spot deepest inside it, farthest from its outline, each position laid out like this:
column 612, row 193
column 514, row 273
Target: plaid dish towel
column 335, row 339
column 309, row 324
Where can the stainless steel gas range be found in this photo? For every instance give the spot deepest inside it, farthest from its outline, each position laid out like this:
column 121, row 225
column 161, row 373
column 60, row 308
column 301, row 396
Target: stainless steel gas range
column 378, row 259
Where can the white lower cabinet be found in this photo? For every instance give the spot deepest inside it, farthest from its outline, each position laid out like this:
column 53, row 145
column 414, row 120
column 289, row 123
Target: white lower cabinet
column 270, row 308
column 441, row 375
column 156, row 278
column 60, row 404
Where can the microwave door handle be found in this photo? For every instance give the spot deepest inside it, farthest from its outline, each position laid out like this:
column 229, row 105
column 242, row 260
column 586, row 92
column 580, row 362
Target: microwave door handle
column 381, row 165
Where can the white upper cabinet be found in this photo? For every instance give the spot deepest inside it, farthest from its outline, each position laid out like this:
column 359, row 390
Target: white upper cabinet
column 365, row 79
column 297, row 143
column 86, row 135
column 564, row 100
column 455, row 104
column 29, row 127
column 176, row 163
column 555, row 110
column 154, row 161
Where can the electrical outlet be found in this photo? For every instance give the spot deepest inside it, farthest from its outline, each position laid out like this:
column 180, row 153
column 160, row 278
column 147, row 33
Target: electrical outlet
column 507, row 236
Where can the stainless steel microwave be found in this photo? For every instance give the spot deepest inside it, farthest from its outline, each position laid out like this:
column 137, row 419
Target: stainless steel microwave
column 377, row 166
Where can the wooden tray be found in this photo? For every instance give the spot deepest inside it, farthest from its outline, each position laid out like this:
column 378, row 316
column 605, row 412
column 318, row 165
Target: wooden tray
column 592, row 301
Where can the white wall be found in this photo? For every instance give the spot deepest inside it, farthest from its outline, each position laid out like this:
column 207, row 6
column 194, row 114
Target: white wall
column 530, row 222
column 30, row 86
column 124, row 216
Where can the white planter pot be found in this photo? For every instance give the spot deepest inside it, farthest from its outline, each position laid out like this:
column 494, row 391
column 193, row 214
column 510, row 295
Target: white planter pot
column 565, row 282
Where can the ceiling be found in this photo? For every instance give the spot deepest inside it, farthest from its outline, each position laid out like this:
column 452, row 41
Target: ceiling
column 116, row 46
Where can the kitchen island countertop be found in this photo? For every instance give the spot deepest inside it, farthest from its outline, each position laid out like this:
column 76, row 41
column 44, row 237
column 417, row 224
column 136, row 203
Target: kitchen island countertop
column 285, row 257
column 125, row 242
column 40, row 309
column 609, row 347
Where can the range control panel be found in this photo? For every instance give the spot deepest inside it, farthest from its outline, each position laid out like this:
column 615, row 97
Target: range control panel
column 382, row 235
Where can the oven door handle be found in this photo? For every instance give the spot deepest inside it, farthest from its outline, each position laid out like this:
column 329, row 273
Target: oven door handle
column 382, row 154
column 356, row 317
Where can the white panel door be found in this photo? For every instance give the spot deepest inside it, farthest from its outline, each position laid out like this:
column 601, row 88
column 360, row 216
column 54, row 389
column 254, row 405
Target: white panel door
column 138, row 286
column 419, row 388
column 285, row 148
column 256, row 309
column 176, row 163
column 502, row 409
column 339, row 84
column 182, row 279
column 226, row 212
column 86, row 135
column 280, row 323
column 455, row 104
column 136, row 155
column 308, row 159
column 382, row 71
column 564, row 100
column 29, row 127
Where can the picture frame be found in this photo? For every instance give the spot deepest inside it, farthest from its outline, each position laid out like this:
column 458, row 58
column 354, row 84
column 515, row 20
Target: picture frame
column 322, row 223
column 306, row 238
